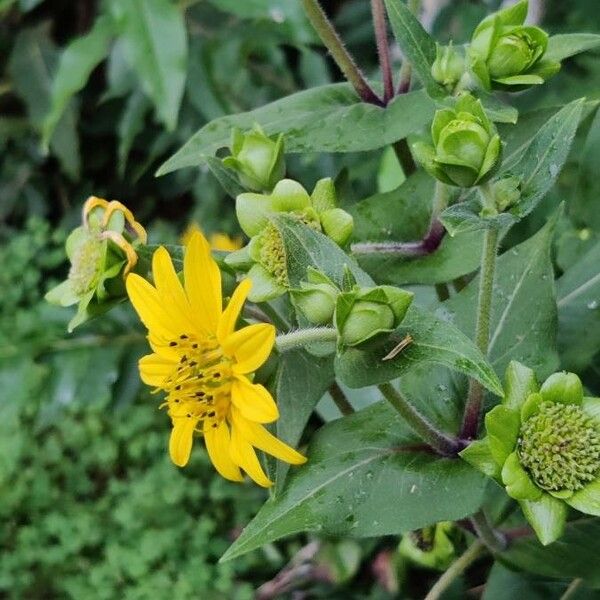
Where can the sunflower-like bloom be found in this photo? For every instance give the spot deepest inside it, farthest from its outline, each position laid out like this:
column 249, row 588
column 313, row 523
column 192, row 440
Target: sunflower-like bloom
column 205, row 366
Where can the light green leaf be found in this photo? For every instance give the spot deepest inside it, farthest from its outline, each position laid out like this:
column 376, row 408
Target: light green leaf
column 416, row 44
column 523, row 320
column 155, row 41
column 300, row 382
column 519, row 384
column 537, row 165
column 364, row 477
column 502, row 425
column 311, row 121
column 76, row 63
column 433, row 341
column 568, row 44
column 575, row 555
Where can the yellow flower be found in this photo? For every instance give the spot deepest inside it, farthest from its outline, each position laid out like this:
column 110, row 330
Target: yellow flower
column 205, row 366
column 218, row 241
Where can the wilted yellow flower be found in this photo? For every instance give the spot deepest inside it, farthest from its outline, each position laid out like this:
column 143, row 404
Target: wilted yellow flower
column 205, row 366
column 217, row 241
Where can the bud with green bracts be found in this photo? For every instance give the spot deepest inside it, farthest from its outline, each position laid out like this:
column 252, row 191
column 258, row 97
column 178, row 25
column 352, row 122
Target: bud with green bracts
column 543, row 446
column 501, row 195
column 430, row 547
column 508, row 55
column 258, row 160
column 102, row 251
column 466, row 146
column 316, row 297
column 448, row 66
column 367, row 314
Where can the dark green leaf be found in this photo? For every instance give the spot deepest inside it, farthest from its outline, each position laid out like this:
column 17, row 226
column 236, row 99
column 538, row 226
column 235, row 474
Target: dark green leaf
column 330, row 118
column 433, row 341
column 579, row 312
column 574, row 555
column 300, row 382
column 155, row 39
column 523, row 321
column 364, row 478
column 416, row 44
column 568, row 44
column 224, row 176
column 130, row 125
column 76, row 63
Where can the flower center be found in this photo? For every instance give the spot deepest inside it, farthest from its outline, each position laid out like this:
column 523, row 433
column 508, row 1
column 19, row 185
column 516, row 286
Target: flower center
column 560, row 447
column 200, row 386
column 86, row 265
column 272, row 254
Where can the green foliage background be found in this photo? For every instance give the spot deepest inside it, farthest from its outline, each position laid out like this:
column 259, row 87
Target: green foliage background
column 90, row 505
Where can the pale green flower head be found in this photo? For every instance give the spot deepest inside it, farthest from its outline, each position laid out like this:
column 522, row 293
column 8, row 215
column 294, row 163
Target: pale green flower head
column 466, row 146
column 505, row 54
column 258, row 160
column 543, row 446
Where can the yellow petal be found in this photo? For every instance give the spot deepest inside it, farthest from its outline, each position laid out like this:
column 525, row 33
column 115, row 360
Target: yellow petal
column 180, row 442
column 149, row 307
column 171, row 291
column 202, row 282
column 253, row 401
column 258, row 436
column 243, row 454
column 250, row 346
column 217, row 443
column 154, row 369
column 232, row 312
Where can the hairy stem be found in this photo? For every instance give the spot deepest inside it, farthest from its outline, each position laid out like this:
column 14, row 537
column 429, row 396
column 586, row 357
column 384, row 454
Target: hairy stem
column 482, row 330
column 456, row 569
column 490, row 537
column 572, row 589
column 438, row 440
column 299, row 338
column 383, row 49
column 334, row 44
column 340, row 399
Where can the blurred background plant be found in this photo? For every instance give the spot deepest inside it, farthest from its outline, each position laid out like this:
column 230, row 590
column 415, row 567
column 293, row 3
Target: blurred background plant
column 94, row 96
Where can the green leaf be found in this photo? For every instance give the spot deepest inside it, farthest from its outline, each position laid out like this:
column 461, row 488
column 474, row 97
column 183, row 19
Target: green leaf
column 305, row 247
column 300, row 382
column 130, row 125
column 578, row 292
column 31, row 65
column 312, row 122
column 416, row 44
column 520, row 383
column 229, row 182
column 497, row 110
column 365, row 478
column 433, row 341
column 574, row 555
column 568, row 44
column 537, row 165
column 155, row 40
column 76, row 63
column 523, row 320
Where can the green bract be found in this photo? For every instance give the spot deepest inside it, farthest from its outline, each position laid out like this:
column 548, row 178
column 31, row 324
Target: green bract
column 363, row 314
column 258, row 160
column 466, row 145
column 448, row 66
column 316, row 297
column 505, row 54
column 543, row 446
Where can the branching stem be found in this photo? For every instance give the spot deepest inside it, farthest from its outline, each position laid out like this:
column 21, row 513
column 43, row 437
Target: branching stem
column 383, row 49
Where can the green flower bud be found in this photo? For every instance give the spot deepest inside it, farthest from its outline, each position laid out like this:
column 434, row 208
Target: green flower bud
column 430, row 547
column 253, row 210
column 367, row 313
column 316, row 301
column 101, row 252
column 501, row 195
column 258, row 160
column 338, row 225
column 466, row 146
column 448, row 66
column 506, row 54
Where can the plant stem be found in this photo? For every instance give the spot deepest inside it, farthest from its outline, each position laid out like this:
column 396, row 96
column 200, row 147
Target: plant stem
column 301, row 337
column 482, row 330
column 334, row 44
column 404, row 157
column 438, row 440
column 472, row 553
column 340, row 399
column 490, row 537
column 572, row 589
column 383, row 49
